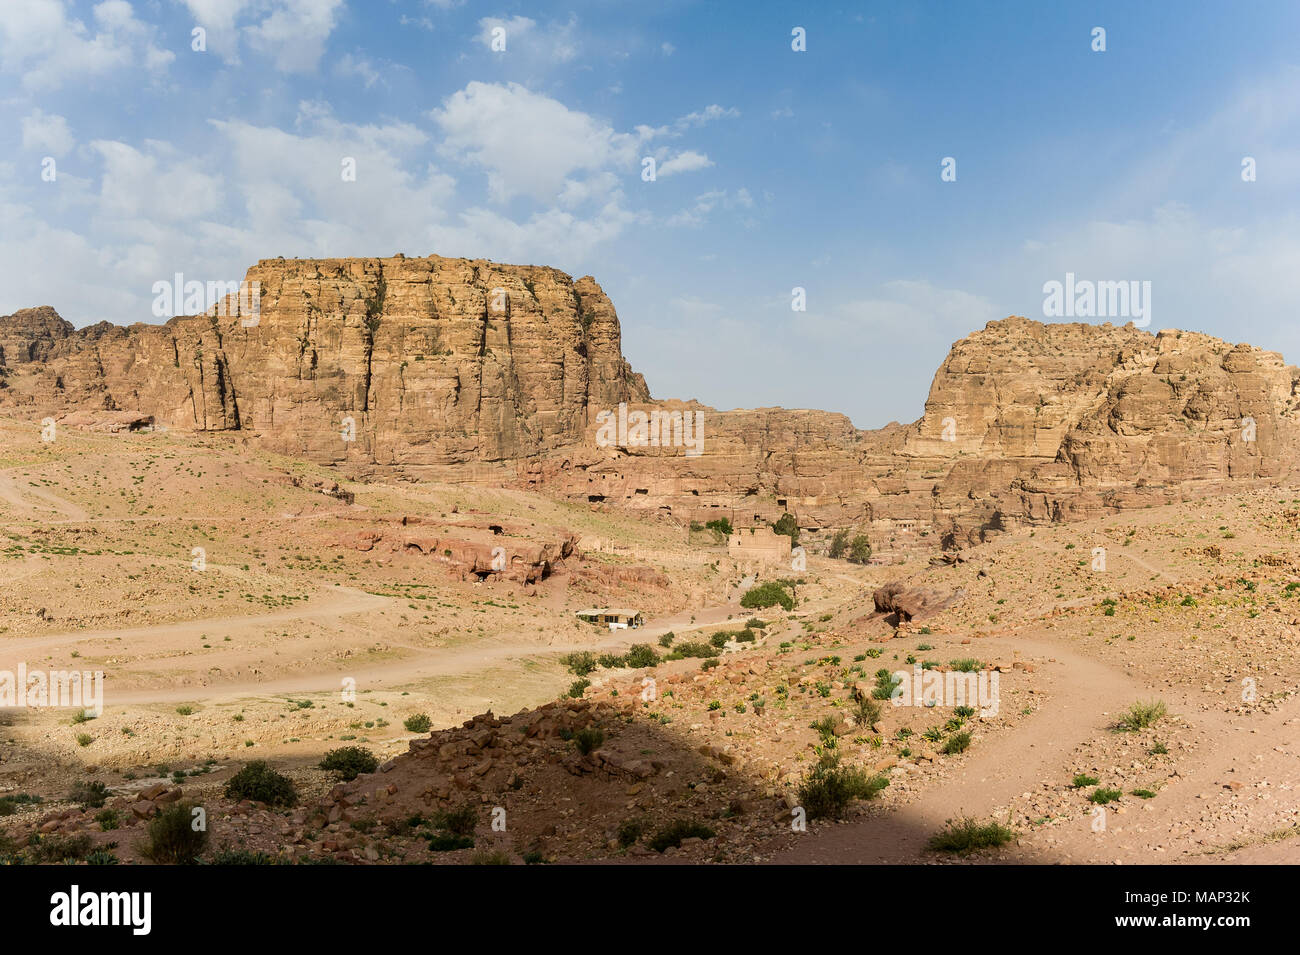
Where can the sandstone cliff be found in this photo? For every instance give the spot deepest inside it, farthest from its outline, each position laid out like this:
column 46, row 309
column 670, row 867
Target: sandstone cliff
column 431, row 367
column 468, row 370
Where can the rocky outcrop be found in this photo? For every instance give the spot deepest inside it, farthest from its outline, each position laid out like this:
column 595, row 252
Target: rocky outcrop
column 395, row 363
column 467, row 370
column 913, row 603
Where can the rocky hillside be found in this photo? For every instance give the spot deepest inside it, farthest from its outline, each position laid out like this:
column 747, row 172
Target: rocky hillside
column 467, row 370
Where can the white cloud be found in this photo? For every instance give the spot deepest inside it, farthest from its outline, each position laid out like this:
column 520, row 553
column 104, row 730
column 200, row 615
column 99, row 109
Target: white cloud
column 48, row 132
column 529, row 144
column 706, row 202
column 688, row 161
column 358, row 66
column 295, row 33
column 47, row 48
column 292, row 33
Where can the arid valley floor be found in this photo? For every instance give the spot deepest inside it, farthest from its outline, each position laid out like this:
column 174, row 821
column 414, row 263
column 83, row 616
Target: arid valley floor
column 310, row 585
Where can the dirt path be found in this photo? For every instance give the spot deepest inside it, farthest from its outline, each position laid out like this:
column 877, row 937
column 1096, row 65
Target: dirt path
column 22, row 497
column 1079, row 692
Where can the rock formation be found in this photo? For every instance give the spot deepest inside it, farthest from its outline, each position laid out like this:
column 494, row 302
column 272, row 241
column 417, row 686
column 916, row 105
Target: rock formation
column 467, row 370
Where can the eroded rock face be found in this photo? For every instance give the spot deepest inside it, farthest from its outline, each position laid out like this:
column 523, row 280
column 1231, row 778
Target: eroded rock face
column 432, row 366
column 444, row 377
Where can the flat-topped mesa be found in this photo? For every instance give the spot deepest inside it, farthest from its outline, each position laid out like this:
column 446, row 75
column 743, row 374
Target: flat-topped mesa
column 419, row 361
column 468, row 370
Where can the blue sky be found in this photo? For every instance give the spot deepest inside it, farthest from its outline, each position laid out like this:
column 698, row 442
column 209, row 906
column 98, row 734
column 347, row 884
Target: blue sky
column 818, row 169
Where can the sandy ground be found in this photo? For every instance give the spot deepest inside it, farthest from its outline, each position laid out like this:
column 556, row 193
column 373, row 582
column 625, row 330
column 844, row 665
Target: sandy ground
column 1196, row 606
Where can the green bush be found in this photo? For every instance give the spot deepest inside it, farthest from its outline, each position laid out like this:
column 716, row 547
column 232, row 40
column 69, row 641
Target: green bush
column 866, row 711
column 721, row 527
column 578, row 687
column 1101, row 795
column 673, row 834
column 419, row 723
column 629, row 831
column 349, row 762
column 1141, row 715
column 59, row 848
column 1083, row 779
column 172, row 838
column 788, row 526
column 580, row 662
column 460, row 821
column 260, row 783
column 588, row 739
column 860, row 549
column 829, row 788
column 967, row 835
column 957, row 743
column 641, row 655
column 769, row 594
column 689, row 649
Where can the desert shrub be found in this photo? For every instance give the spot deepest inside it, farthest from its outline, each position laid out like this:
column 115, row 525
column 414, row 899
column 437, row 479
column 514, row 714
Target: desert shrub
column 968, row 835
column 666, row 640
column 966, row 665
column 829, row 788
column 9, row 804
column 108, row 820
column 1083, row 779
column 672, row 834
column 885, row 684
column 860, row 549
column 60, row 848
column 769, row 594
column 1141, row 715
column 589, row 738
column 172, row 838
column 483, row 857
column 1101, row 795
column 957, row 743
column 721, row 527
column 578, row 687
column 260, row 783
column 719, row 639
column 866, row 711
column 242, row 857
column 825, row 728
column 629, row 831
column 460, row 821
column 641, row 655
column 349, row 762
column 449, row 842
column 580, row 662
column 419, row 723
column 101, row 857
column 691, row 649
column 611, row 661
column 89, row 795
